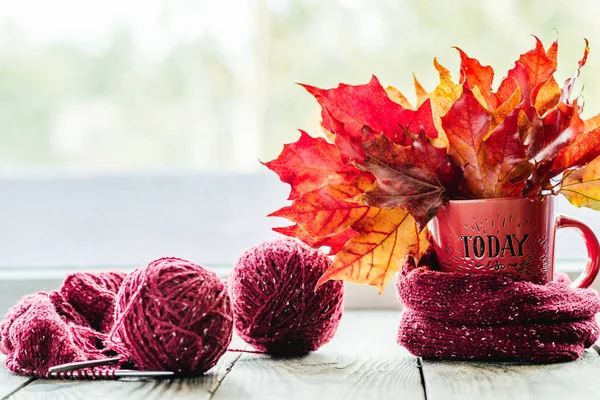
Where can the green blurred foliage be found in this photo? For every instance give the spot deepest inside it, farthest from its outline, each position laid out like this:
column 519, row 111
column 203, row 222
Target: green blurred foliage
column 117, row 108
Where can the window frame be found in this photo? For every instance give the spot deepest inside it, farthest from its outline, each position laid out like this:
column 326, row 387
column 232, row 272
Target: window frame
column 60, row 221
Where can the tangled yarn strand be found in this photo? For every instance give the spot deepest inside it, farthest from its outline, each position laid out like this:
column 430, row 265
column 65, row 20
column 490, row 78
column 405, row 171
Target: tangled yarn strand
column 125, row 312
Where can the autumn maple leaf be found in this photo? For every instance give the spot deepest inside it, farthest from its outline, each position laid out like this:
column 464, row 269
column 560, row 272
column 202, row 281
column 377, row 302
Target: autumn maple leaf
column 478, row 77
column 531, row 69
column 309, row 163
column 335, row 242
column 582, row 187
column 466, row 125
column 326, row 211
column 369, row 243
column 559, row 139
column 487, row 153
column 376, row 254
column 347, row 109
column 501, row 155
column 369, row 190
column 560, row 123
column 442, row 98
column 582, row 143
column 422, row 94
column 415, row 177
column 582, row 151
column 560, row 127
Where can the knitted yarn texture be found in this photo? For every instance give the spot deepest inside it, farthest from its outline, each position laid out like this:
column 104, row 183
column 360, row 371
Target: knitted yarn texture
column 172, row 315
column 44, row 330
column 93, row 296
column 277, row 309
column 493, row 318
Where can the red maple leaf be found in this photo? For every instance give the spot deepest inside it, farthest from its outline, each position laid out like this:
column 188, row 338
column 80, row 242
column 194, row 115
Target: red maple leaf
column 531, row 69
column 311, row 163
column 347, row 109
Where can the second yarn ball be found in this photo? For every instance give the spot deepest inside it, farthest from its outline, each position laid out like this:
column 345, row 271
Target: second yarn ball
column 276, row 307
column 172, row 315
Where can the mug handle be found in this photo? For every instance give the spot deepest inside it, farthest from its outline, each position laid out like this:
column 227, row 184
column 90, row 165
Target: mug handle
column 593, row 248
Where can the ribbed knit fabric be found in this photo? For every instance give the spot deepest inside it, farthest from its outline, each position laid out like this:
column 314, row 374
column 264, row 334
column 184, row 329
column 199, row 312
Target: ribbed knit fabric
column 492, row 318
column 44, row 330
column 93, row 295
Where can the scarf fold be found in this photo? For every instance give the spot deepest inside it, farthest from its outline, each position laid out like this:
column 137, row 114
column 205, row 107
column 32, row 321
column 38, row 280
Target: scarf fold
column 492, row 318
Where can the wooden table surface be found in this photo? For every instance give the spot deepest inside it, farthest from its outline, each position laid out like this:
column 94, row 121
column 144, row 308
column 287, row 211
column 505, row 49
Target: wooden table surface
column 363, row 361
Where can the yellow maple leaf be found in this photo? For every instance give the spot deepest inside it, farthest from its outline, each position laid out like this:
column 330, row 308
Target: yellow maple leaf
column 442, row 99
column 582, row 187
column 397, row 97
column 379, row 251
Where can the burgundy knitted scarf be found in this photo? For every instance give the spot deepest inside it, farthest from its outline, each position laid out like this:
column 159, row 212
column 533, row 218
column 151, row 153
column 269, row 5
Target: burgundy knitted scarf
column 493, row 318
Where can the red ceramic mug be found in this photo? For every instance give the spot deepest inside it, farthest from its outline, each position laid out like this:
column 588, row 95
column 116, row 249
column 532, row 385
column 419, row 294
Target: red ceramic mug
column 514, row 237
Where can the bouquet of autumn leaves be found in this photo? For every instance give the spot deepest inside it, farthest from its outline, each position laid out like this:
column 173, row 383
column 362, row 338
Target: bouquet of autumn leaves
column 368, row 190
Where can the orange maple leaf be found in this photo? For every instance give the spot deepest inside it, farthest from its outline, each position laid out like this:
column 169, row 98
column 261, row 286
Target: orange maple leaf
column 376, row 254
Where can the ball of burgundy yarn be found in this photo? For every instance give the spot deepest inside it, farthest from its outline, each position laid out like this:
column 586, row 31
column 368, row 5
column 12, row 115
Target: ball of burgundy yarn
column 172, row 315
column 276, row 307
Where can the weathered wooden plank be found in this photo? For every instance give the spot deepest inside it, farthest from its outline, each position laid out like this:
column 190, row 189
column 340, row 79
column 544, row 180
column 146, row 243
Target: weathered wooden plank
column 478, row 380
column 190, row 388
column 9, row 382
column 362, row 361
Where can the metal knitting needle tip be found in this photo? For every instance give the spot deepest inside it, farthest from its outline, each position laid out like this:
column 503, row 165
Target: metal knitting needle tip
column 83, row 364
column 115, row 374
column 127, row 373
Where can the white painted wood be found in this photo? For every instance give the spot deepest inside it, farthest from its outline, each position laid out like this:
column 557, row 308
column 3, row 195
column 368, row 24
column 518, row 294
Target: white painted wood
column 200, row 388
column 63, row 221
column 478, row 380
column 85, row 219
column 16, row 285
column 68, row 218
column 363, row 361
column 9, row 382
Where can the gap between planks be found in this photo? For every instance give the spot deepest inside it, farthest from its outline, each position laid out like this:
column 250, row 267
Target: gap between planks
column 201, row 388
column 363, row 358
column 456, row 380
column 17, row 388
column 11, row 383
column 362, row 361
column 422, row 376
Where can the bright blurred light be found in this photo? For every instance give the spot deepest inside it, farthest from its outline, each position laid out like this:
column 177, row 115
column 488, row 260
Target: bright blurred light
column 210, row 84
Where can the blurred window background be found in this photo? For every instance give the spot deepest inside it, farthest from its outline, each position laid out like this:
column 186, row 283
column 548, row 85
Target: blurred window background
column 143, row 121
column 209, row 85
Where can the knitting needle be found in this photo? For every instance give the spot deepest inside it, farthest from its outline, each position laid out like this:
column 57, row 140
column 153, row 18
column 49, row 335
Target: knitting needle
column 83, row 364
column 119, row 373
